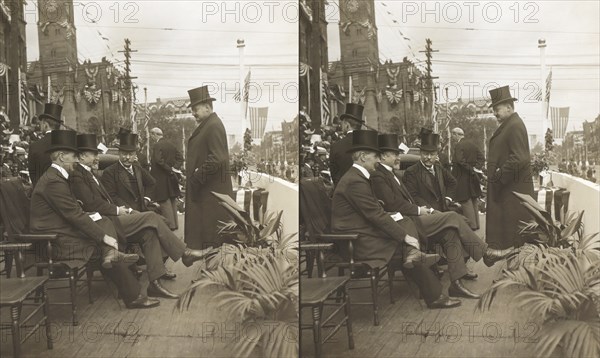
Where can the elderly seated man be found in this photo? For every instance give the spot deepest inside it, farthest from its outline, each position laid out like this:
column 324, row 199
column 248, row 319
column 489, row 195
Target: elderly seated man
column 148, row 228
column 382, row 235
column 83, row 237
column 429, row 183
column 449, row 229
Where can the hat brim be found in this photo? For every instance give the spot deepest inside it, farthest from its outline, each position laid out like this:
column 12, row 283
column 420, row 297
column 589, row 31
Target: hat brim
column 363, row 147
column 210, row 99
column 386, row 149
column 126, row 148
column 502, row 101
column 86, row 149
column 61, row 147
column 428, row 148
column 345, row 117
column 46, row 116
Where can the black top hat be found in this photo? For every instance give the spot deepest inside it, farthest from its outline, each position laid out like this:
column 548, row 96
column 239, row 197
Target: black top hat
column 353, row 111
column 388, row 143
column 52, row 111
column 199, row 95
column 128, row 142
column 501, row 95
column 62, row 139
column 87, row 142
column 364, row 140
column 430, row 142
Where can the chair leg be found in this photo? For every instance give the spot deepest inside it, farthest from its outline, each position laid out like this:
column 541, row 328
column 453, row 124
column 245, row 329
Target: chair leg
column 347, row 305
column 375, row 295
column 8, row 262
column 38, row 292
column 16, row 328
column 89, row 273
column 317, row 330
column 73, row 286
column 391, row 274
column 47, row 316
column 310, row 262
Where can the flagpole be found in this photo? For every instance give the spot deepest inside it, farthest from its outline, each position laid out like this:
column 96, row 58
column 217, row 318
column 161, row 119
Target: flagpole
column 350, row 89
column 542, row 47
column 240, row 46
column 48, row 99
column 146, row 124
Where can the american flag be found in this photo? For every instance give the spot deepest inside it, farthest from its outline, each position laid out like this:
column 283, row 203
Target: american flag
column 258, row 121
column 237, row 96
column 560, row 119
column 538, row 96
column 325, row 110
column 23, row 102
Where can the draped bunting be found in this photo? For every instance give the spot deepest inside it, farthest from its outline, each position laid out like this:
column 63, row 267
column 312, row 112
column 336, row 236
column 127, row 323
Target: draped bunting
column 304, row 69
column 394, row 96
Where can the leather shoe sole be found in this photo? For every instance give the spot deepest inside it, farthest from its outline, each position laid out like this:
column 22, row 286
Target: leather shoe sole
column 470, row 276
column 444, row 303
column 140, row 304
column 161, row 292
column 169, row 276
column 423, row 259
column 454, row 291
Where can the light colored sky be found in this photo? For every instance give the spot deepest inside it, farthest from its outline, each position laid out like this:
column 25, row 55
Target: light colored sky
column 185, row 44
column 502, row 47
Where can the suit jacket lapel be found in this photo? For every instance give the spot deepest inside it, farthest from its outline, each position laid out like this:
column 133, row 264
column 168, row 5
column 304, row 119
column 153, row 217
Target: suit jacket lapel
column 138, row 179
column 124, row 178
column 200, row 126
column 429, row 179
column 440, row 178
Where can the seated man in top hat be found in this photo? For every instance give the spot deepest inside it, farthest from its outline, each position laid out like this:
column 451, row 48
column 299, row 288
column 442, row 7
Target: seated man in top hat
column 39, row 160
column 83, row 237
column 356, row 210
column 449, row 229
column 147, row 228
column 127, row 183
column 429, row 183
column 339, row 158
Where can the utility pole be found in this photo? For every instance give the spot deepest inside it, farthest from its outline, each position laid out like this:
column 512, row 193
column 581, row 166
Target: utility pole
column 428, row 51
column 128, row 78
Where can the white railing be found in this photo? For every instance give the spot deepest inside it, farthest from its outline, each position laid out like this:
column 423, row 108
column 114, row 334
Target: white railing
column 585, row 195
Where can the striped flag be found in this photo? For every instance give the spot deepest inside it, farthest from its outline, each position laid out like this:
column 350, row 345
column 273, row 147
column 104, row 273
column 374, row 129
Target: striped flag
column 325, row 110
column 258, row 121
column 538, row 96
column 237, row 96
column 23, row 100
column 560, row 119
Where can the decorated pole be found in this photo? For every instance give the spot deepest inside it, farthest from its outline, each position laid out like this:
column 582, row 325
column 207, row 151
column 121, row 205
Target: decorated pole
column 240, row 46
column 542, row 47
column 146, row 125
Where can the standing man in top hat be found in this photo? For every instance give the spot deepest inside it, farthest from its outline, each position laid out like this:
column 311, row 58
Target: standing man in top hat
column 127, row 183
column 207, row 169
column 39, row 160
column 509, row 170
column 429, row 183
column 468, row 161
column 340, row 160
column 166, row 161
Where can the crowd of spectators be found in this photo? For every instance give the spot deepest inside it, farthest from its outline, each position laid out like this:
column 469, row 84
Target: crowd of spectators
column 14, row 147
column 585, row 170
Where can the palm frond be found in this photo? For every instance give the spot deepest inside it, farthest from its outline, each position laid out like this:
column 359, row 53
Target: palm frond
column 572, row 227
column 577, row 338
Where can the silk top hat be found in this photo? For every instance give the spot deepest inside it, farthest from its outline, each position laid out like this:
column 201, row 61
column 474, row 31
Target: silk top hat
column 128, row 142
column 199, row 95
column 87, row 142
column 62, row 139
column 364, row 140
column 501, row 95
column 353, row 111
column 388, row 143
column 430, row 142
column 52, row 111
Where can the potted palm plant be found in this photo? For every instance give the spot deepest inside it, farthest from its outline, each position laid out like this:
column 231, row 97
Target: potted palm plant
column 557, row 273
column 257, row 282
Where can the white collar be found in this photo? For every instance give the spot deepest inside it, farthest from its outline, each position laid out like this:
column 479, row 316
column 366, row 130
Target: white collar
column 426, row 167
column 86, row 167
column 387, row 167
column 61, row 170
column 362, row 170
column 123, row 165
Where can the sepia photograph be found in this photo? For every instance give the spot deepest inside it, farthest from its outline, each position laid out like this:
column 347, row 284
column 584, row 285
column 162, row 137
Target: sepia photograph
column 149, row 196
column 448, row 178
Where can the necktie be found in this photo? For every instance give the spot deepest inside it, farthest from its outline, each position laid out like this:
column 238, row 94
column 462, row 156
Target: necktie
column 130, row 170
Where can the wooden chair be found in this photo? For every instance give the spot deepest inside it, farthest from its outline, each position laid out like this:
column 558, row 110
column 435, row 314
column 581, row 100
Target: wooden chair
column 15, row 205
column 315, row 208
column 318, row 293
column 18, row 292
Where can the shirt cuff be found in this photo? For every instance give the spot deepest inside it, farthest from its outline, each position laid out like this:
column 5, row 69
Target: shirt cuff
column 418, row 210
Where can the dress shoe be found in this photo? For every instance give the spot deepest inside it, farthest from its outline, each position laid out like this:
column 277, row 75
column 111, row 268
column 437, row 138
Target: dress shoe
column 417, row 257
column 155, row 289
column 457, row 289
column 114, row 256
column 169, row 275
column 444, row 302
column 190, row 256
column 492, row 256
column 143, row 302
column 470, row 276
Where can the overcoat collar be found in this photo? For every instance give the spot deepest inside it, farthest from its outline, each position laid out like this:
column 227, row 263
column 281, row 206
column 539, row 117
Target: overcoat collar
column 503, row 125
column 202, row 124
